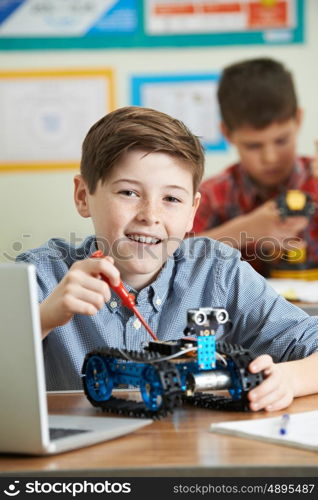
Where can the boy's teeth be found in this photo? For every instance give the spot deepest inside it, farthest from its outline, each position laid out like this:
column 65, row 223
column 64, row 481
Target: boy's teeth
column 143, row 239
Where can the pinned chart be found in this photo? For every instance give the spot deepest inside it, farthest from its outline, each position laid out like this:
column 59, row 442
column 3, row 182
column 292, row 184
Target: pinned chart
column 190, row 98
column 45, row 115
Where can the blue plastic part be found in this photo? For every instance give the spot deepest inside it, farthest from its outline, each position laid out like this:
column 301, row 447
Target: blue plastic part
column 184, row 369
column 99, row 381
column 206, row 352
column 236, row 389
column 104, row 373
column 151, row 388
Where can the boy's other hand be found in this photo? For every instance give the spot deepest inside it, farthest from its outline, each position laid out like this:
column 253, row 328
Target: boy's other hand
column 314, row 162
column 81, row 291
column 266, row 222
column 276, row 391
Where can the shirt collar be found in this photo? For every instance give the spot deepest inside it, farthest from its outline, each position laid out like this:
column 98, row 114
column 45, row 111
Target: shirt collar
column 90, row 245
column 297, row 176
column 155, row 293
column 159, row 289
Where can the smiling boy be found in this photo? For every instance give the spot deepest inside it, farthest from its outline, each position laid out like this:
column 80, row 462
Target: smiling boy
column 261, row 119
column 140, row 173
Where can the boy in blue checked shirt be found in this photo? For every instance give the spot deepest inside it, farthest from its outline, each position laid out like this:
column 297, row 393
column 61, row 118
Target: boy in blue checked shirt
column 140, row 173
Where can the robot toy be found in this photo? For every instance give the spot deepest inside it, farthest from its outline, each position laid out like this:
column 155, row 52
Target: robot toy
column 169, row 373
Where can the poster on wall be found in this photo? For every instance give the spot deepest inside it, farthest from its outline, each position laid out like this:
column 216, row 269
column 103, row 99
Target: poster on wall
column 67, row 18
column 45, row 115
column 62, row 24
column 189, row 98
column 210, row 16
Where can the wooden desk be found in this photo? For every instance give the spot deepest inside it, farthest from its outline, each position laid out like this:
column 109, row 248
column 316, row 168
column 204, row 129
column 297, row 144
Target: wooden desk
column 178, row 445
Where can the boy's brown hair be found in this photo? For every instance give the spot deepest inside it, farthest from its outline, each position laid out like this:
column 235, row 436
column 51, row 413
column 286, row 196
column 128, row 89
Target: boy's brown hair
column 257, row 93
column 130, row 128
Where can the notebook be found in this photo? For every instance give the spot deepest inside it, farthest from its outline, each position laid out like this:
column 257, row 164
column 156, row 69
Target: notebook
column 301, row 431
column 25, row 424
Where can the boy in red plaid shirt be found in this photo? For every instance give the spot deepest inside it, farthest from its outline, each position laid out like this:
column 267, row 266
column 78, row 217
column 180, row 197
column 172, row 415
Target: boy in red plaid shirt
column 261, row 118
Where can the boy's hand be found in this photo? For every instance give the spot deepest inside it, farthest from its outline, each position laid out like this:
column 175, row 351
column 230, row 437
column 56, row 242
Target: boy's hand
column 81, row 291
column 266, row 222
column 276, row 391
column 314, row 163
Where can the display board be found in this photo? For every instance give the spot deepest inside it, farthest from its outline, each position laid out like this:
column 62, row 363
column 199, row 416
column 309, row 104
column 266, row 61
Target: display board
column 65, row 24
column 45, row 115
column 190, row 98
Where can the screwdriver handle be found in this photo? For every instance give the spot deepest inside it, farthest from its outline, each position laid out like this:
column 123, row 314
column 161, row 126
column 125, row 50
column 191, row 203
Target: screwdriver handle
column 128, row 299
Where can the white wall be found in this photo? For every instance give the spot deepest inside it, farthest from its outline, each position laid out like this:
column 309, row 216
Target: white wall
column 37, row 206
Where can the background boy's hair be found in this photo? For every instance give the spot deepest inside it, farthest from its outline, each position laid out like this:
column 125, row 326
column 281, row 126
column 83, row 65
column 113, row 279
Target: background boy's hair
column 257, row 93
column 130, row 128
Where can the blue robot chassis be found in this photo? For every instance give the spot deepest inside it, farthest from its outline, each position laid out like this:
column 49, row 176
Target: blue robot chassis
column 169, row 373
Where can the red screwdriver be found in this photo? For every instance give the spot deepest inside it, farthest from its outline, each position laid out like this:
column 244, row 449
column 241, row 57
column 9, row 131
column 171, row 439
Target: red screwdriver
column 128, row 299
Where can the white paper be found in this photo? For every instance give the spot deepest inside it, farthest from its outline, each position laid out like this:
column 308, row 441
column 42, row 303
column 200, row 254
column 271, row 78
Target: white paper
column 301, row 290
column 302, row 430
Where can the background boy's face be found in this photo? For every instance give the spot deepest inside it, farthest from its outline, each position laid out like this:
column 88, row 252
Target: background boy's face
column 142, row 211
column 267, row 155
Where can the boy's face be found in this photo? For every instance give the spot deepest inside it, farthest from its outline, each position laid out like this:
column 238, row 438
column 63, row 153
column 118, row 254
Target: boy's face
column 142, row 212
column 267, row 155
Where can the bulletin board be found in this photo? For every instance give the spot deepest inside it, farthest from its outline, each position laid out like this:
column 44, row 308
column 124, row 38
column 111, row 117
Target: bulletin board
column 190, row 98
column 45, row 115
column 78, row 24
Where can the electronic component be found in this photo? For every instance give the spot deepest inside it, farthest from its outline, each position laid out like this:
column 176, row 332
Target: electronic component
column 293, row 262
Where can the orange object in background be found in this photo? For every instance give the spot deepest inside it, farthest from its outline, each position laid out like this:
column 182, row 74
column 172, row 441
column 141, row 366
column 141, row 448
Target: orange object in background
column 271, row 15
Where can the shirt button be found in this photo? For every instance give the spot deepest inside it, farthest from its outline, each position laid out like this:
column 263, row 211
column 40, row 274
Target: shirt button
column 158, row 302
column 137, row 324
column 113, row 304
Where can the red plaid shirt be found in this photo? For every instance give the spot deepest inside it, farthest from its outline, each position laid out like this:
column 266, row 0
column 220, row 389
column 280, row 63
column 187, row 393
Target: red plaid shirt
column 233, row 193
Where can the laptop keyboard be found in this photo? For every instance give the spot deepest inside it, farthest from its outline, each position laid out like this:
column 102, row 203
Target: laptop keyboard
column 61, row 433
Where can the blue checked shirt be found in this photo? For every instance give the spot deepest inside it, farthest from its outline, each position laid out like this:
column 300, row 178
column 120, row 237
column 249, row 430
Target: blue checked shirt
column 201, row 273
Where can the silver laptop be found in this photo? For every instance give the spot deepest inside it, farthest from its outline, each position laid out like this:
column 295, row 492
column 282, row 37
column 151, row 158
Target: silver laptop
column 25, row 426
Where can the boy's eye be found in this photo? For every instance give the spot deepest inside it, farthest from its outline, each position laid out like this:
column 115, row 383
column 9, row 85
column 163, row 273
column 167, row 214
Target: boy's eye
column 172, row 199
column 281, row 142
column 128, row 192
column 252, row 147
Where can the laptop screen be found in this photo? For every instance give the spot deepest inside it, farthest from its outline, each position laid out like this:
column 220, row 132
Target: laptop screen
column 23, row 409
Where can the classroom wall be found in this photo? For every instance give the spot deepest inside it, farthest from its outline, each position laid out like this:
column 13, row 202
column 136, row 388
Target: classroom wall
column 37, row 206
